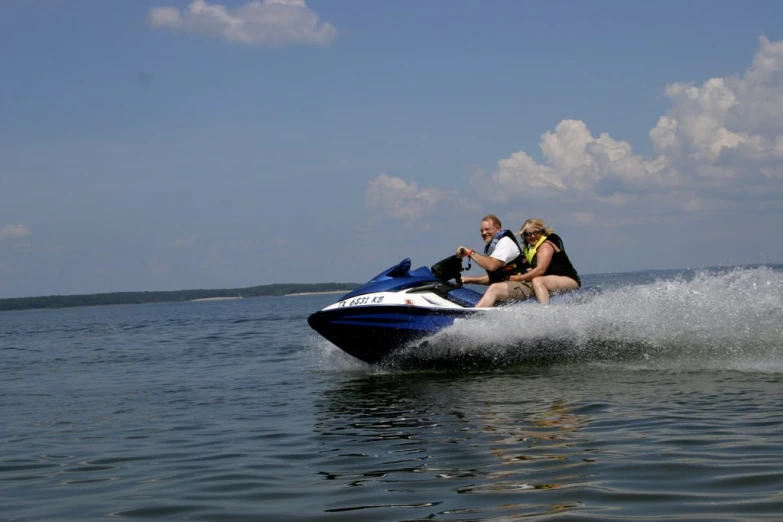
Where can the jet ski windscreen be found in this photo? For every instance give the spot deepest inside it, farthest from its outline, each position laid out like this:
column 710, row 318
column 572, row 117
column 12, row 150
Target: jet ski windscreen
column 448, row 268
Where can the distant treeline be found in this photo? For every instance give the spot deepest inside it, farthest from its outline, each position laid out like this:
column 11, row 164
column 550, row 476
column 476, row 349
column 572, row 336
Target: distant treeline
column 114, row 298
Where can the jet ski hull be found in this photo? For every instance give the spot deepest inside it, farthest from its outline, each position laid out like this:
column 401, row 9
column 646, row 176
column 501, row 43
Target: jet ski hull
column 372, row 333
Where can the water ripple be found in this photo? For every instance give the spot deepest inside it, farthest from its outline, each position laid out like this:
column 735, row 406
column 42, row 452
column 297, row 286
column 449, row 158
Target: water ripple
column 223, row 412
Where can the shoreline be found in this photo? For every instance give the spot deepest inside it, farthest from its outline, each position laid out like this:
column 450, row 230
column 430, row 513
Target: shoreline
column 213, row 299
column 318, row 293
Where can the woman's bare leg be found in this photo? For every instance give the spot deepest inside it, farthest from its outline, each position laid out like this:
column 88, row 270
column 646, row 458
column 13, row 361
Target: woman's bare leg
column 545, row 285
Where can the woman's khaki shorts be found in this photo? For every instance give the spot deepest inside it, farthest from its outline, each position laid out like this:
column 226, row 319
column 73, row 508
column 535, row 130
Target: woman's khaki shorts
column 520, row 290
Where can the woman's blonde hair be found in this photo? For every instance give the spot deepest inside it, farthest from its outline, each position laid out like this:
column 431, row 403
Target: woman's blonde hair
column 534, row 224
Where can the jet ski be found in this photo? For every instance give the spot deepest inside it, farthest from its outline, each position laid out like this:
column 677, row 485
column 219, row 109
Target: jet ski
column 397, row 307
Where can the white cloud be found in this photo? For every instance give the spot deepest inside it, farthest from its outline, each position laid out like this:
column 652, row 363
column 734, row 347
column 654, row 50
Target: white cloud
column 186, row 242
column 720, row 145
column 267, row 21
column 394, row 197
column 13, row 231
column 577, row 165
column 158, row 268
column 241, row 243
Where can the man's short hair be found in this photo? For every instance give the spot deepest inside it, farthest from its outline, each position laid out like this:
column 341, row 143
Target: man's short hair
column 493, row 218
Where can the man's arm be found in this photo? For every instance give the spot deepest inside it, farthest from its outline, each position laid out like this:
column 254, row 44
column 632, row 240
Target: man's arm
column 487, row 262
column 475, row 280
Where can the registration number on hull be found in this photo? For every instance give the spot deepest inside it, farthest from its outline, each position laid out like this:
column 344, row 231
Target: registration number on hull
column 362, row 300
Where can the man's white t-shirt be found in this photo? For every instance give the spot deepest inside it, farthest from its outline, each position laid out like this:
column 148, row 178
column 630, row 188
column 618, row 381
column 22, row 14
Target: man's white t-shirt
column 505, row 250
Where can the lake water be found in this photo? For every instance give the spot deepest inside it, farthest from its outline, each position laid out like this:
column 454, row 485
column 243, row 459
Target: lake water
column 236, row 410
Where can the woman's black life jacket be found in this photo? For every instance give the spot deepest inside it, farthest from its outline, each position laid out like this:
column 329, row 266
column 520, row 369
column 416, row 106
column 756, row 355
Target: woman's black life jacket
column 560, row 264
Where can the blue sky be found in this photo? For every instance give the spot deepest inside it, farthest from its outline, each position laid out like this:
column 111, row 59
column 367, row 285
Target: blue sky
column 161, row 145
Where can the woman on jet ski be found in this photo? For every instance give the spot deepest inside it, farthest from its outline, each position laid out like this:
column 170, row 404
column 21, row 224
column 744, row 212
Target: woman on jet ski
column 549, row 271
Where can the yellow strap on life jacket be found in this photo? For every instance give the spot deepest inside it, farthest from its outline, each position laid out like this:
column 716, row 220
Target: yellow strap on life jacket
column 530, row 252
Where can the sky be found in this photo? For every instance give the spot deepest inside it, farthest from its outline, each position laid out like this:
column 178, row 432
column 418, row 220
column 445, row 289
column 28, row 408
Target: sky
column 165, row 145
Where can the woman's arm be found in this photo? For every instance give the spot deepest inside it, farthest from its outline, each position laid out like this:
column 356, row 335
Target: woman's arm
column 543, row 258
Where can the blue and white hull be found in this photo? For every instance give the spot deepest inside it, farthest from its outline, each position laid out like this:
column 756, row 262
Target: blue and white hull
column 372, row 326
column 395, row 308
